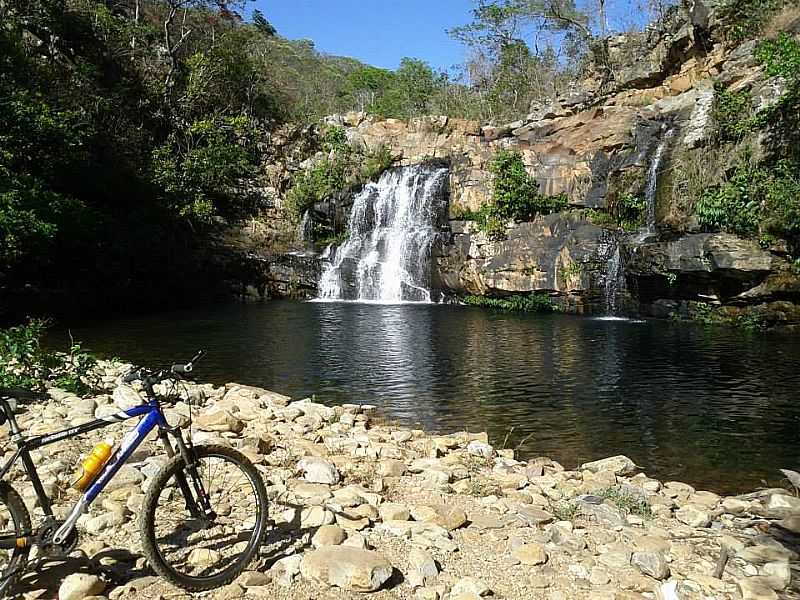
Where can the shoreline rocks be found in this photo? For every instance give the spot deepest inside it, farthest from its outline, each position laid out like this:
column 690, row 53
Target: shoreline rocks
column 361, row 507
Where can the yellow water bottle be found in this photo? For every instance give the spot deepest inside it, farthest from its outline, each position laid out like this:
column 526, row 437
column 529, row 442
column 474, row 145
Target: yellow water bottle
column 92, row 465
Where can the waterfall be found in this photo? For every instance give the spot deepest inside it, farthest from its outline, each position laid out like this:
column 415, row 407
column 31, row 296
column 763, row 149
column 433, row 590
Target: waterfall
column 392, row 227
column 613, row 275
column 651, row 191
column 306, row 229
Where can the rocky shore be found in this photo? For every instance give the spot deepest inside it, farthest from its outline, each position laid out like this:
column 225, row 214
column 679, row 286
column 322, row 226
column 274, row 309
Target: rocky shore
column 363, row 507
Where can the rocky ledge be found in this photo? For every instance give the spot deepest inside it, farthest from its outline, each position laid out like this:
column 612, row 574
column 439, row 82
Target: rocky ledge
column 361, row 506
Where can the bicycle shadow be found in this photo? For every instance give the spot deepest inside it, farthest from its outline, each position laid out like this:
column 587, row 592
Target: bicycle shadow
column 290, row 538
column 46, row 578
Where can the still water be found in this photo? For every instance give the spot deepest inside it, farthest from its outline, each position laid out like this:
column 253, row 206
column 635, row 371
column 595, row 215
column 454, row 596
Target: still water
column 717, row 408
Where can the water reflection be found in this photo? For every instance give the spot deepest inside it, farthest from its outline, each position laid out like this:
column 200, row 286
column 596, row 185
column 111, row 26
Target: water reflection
column 713, row 407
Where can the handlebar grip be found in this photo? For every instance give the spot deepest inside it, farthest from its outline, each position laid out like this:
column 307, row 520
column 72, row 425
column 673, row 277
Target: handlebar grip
column 132, row 376
column 182, row 369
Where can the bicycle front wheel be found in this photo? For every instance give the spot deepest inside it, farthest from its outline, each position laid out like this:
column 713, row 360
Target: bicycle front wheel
column 194, row 548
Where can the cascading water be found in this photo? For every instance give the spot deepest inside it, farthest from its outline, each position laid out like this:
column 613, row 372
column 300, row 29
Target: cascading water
column 305, row 230
column 392, row 227
column 651, row 191
column 615, row 280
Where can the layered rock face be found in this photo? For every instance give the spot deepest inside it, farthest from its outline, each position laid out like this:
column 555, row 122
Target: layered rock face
column 651, row 102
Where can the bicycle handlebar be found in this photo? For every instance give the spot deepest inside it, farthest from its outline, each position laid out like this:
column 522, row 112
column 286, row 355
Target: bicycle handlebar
column 150, row 378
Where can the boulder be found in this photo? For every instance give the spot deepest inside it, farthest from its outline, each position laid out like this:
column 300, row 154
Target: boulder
column 347, row 568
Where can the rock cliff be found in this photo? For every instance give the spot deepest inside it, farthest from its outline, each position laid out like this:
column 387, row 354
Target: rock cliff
column 622, row 133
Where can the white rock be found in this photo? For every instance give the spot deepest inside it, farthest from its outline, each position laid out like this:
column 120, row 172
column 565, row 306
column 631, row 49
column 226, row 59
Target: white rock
column 286, row 569
column 422, row 569
column 80, row 585
column 482, row 449
column 318, row 470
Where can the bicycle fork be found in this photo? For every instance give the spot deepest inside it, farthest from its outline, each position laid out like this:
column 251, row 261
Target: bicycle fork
column 198, row 503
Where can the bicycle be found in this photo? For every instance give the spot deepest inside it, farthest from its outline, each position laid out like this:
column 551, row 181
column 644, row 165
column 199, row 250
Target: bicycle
column 188, row 517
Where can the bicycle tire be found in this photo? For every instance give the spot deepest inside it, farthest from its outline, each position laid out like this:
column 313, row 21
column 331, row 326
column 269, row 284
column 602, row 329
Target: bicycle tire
column 11, row 501
column 147, row 520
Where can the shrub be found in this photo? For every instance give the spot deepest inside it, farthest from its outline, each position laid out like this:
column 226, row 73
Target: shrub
column 629, row 211
column 733, row 113
column 756, row 199
column 334, row 139
column 516, row 194
column 628, row 503
column 515, row 303
column 344, row 167
column 376, row 162
column 24, row 362
column 316, row 183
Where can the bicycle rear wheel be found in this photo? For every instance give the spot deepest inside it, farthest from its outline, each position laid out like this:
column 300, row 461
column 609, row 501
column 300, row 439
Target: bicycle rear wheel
column 15, row 522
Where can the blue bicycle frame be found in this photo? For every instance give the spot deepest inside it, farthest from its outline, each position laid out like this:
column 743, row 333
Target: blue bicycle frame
column 151, row 415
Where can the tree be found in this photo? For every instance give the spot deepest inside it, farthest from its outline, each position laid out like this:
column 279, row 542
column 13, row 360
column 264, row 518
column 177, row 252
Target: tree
column 264, row 26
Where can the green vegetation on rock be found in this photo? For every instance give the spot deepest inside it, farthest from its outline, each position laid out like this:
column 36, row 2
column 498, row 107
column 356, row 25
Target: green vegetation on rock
column 343, row 167
column 760, row 197
column 536, row 302
column 515, row 197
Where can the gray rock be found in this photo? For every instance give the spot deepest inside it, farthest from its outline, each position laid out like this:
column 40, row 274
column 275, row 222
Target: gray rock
column 347, row 568
column 652, row 564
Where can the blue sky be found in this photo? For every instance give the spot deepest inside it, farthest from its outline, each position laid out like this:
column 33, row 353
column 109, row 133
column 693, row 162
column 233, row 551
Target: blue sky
column 382, row 32
column 378, row 32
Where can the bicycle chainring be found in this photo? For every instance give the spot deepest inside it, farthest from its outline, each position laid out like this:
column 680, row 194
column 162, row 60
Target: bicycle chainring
column 46, row 544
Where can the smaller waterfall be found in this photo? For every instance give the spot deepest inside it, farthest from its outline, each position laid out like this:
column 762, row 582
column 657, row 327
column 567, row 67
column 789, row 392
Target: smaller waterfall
column 651, row 191
column 392, row 227
column 305, row 231
column 615, row 280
